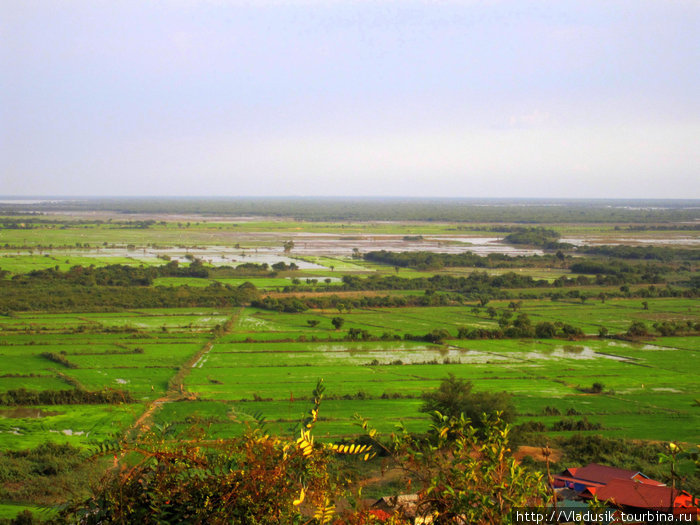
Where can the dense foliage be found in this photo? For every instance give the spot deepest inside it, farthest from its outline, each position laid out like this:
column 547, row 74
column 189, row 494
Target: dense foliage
column 424, row 260
column 45, row 473
column 654, row 253
column 455, row 398
column 259, row 479
column 62, row 296
column 535, row 236
column 76, row 396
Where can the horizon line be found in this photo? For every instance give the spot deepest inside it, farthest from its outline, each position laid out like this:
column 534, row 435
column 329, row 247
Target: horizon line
column 361, row 197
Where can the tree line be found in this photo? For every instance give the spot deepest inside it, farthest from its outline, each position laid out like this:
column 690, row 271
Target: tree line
column 68, row 296
column 76, row 396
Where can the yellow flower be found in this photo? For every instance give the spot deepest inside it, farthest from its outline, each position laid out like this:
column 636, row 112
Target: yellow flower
column 300, row 499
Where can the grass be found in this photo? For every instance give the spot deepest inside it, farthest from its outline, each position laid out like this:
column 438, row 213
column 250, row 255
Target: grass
column 10, row 510
column 648, row 383
column 79, row 425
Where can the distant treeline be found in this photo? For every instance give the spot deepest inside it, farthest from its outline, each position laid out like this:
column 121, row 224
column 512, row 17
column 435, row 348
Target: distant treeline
column 115, row 274
column 301, row 303
column 631, row 227
column 606, row 274
column 508, row 328
column 22, row 396
column 40, row 221
column 537, row 236
column 68, row 296
column 525, row 211
column 424, row 260
column 656, row 253
column 324, row 302
column 251, row 270
column 615, row 271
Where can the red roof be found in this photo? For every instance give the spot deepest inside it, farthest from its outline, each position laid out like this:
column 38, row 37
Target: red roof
column 571, row 479
column 642, row 495
column 603, row 474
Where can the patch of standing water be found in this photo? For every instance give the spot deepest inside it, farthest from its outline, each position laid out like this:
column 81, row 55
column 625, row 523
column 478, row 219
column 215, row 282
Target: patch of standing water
column 679, row 241
column 27, row 412
column 573, row 352
column 411, row 355
column 69, row 432
column 305, row 244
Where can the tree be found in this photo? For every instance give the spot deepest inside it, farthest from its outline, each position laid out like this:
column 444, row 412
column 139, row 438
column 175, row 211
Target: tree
column 338, row 322
column 454, row 397
column 467, row 475
column 545, row 330
column 637, row 329
column 288, row 246
column 313, row 322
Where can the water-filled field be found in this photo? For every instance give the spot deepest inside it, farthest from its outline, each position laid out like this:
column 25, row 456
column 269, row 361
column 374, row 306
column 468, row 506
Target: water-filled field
column 269, row 362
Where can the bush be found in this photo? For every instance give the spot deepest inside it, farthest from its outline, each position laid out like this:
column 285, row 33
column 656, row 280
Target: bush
column 466, row 476
column 454, row 398
column 637, row 329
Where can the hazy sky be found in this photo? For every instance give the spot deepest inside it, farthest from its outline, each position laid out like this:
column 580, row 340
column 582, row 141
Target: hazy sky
column 307, row 97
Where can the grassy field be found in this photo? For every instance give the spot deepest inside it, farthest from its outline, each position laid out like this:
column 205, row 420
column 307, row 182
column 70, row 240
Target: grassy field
column 269, row 358
column 224, row 368
column 649, row 390
column 615, row 315
column 141, row 358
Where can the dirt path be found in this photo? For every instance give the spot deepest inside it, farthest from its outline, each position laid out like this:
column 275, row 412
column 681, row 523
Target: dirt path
column 176, row 390
column 140, row 423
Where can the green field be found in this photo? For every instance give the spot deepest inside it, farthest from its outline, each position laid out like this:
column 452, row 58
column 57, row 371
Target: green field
column 262, row 363
column 224, row 366
column 647, row 384
column 144, row 354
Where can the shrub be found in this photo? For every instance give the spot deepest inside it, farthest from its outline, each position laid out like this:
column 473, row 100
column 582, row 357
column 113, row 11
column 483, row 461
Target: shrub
column 466, row 476
column 454, row 398
column 637, row 329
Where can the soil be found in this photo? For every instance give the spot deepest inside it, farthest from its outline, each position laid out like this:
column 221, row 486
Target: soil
column 536, row 453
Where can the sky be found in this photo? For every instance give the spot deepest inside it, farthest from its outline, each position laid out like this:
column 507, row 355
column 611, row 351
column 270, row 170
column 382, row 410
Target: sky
column 470, row 98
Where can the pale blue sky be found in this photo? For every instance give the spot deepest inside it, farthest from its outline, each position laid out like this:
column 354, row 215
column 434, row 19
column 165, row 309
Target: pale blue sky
column 417, row 98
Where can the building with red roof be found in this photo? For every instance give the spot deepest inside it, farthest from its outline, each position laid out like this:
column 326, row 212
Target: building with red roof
column 627, row 490
column 632, row 494
column 596, row 475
